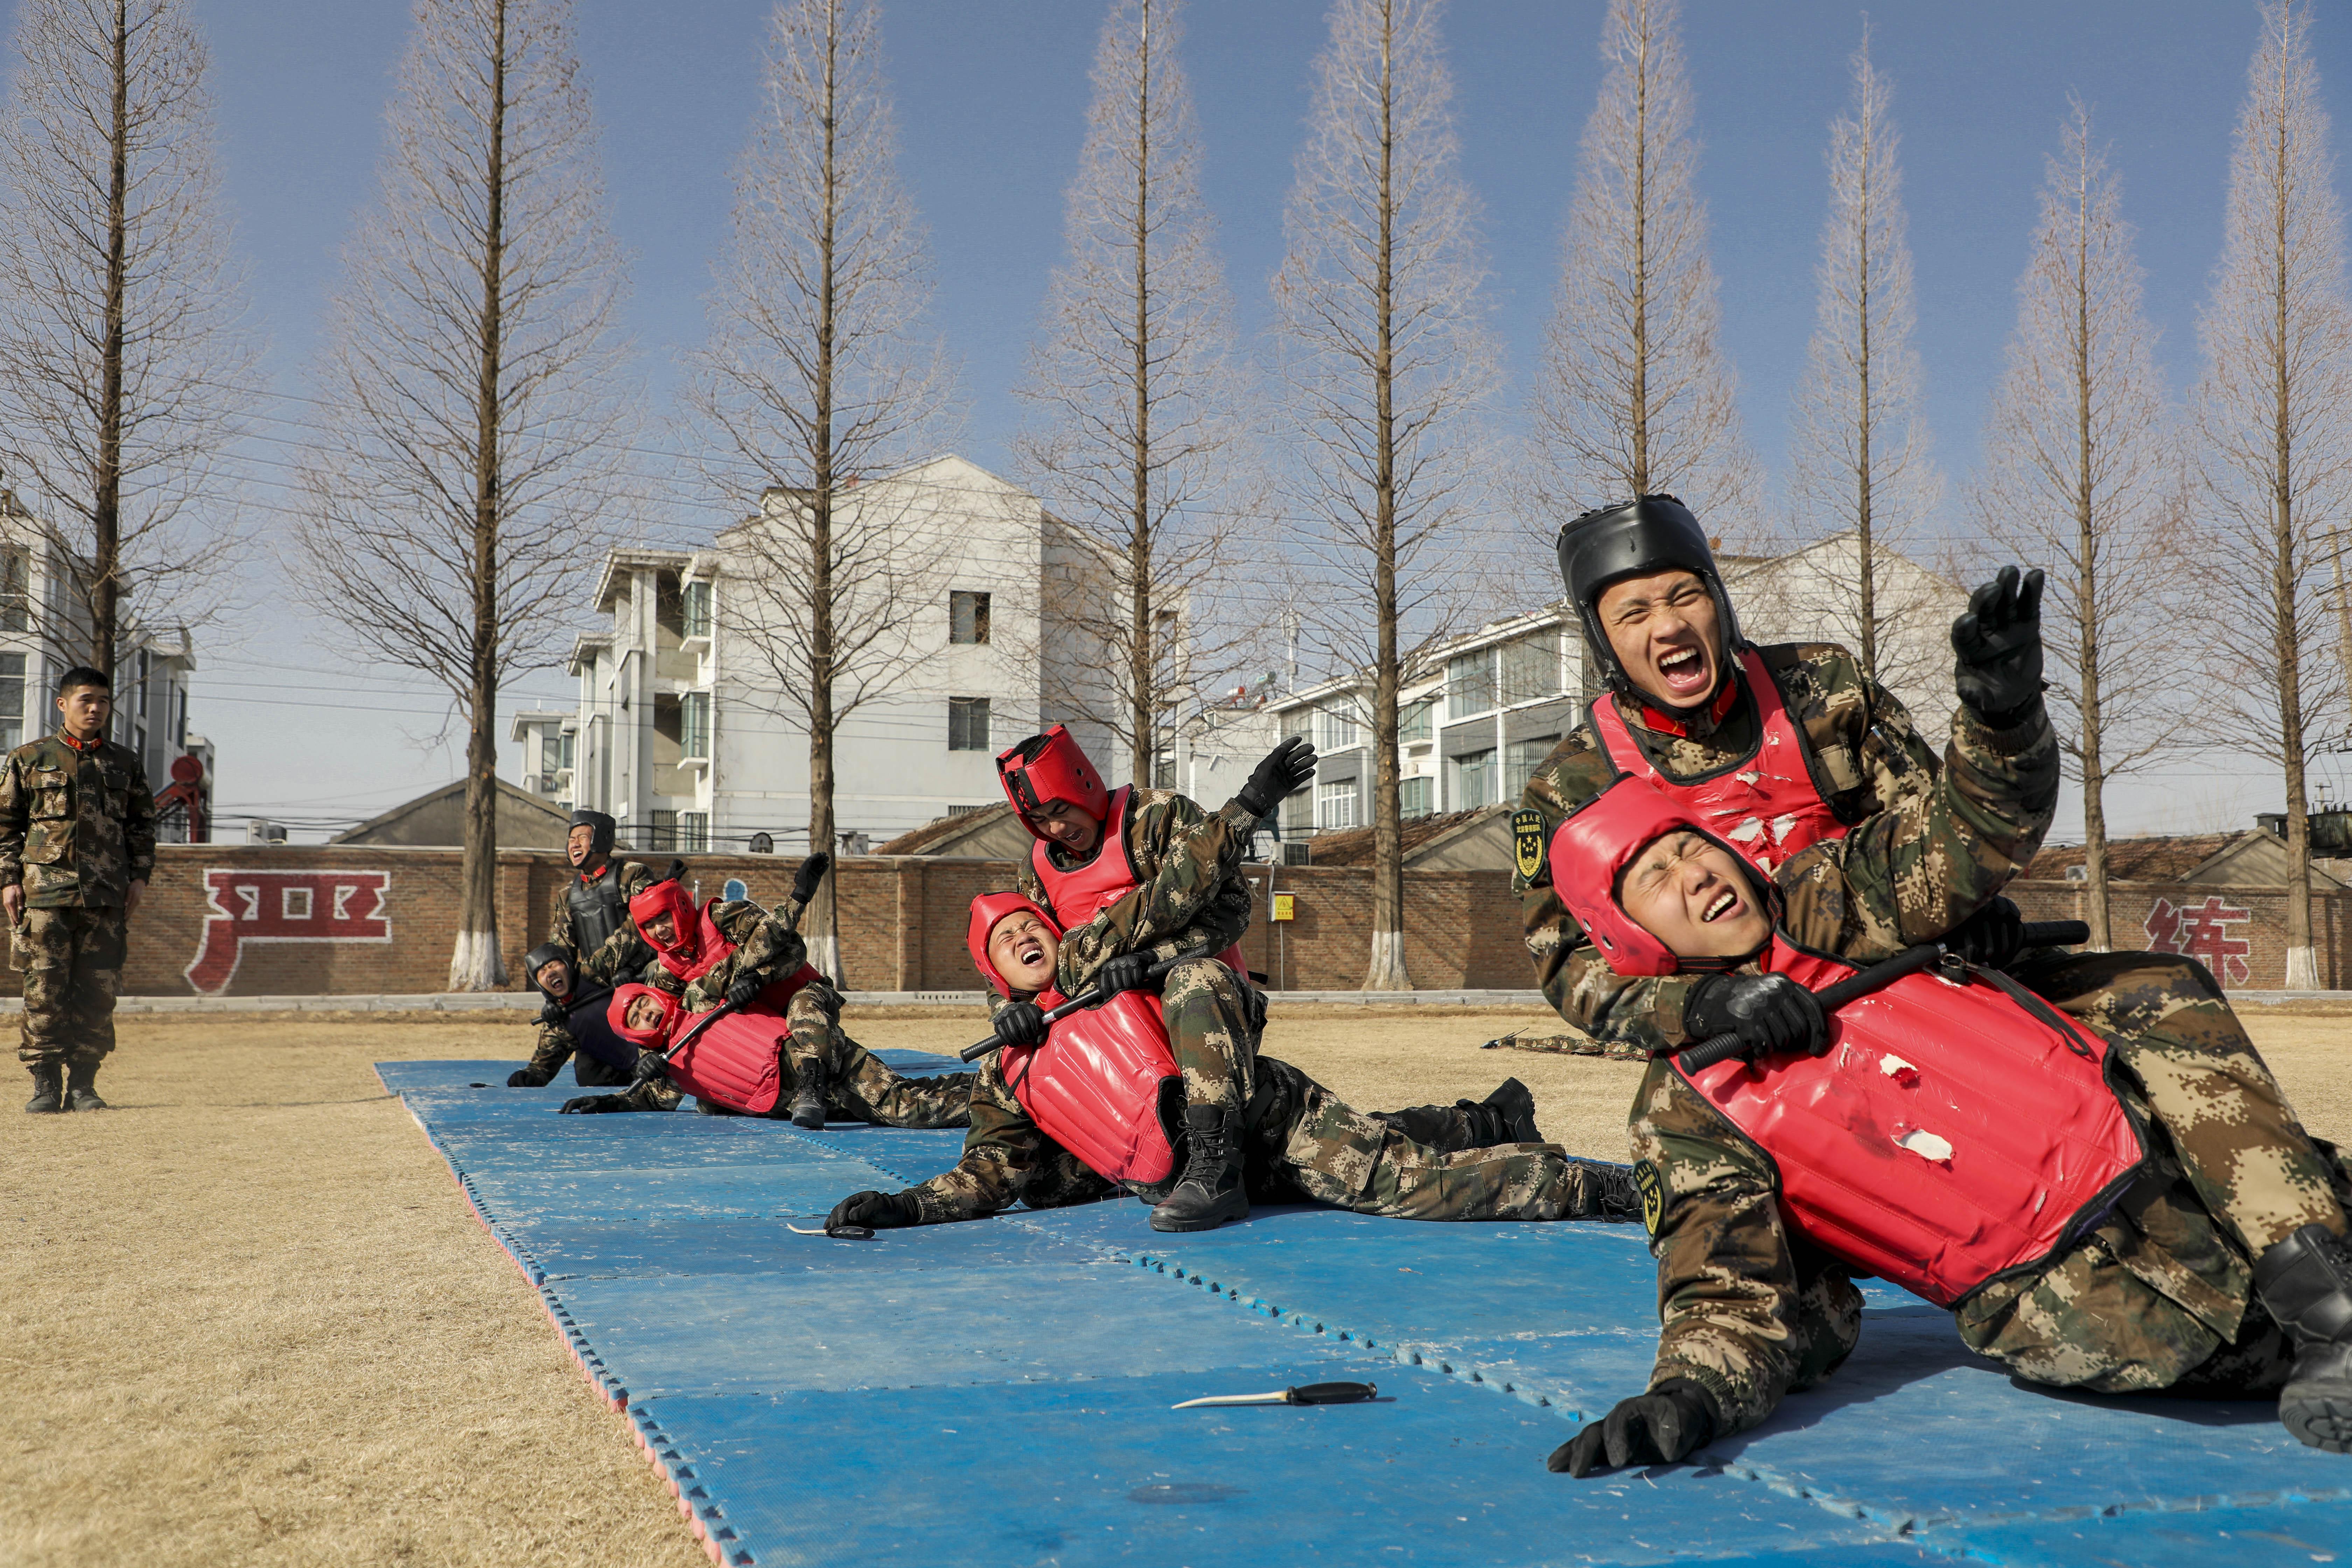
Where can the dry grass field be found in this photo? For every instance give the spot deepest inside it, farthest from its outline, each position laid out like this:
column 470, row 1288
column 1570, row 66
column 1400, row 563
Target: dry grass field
column 248, row 1321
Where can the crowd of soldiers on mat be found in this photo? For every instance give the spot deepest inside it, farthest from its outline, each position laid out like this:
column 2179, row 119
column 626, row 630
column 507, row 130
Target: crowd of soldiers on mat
column 1746, row 866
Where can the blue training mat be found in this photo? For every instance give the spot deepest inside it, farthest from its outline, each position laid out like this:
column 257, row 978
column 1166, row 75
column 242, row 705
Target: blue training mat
column 998, row 1393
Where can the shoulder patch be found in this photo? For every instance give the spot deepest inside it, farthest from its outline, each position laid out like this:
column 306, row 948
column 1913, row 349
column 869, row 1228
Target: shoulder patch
column 1527, row 846
column 1652, row 1190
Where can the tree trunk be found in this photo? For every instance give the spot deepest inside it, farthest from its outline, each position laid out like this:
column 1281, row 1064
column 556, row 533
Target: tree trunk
column 2087, row 618
column 476, row 964
column 1640, row 268
column 106, row 499
column 1387, row 971
column 1143, row 733
column 824, row 932
column 2301, row 970
column 1865, row 563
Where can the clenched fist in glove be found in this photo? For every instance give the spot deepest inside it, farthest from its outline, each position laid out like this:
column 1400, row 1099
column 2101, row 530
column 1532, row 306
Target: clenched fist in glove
column 811, row 873
column 1993, row 936
column 876, row 1211
column 1125, row 971
column 744, row 990
column 1021, row 1024
column 523, row 1077
column 651, row 1065
column 1767, row 1012
column 552, row 1014
column 1999, row 643
column 1286, row 770
column 1671, row 1422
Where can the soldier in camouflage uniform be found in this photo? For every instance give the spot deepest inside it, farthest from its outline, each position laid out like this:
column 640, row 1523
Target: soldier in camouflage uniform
column 1664, row 602
column 591, row 910
column 2222, row 1270
column 77, row 849
column 572, row 1024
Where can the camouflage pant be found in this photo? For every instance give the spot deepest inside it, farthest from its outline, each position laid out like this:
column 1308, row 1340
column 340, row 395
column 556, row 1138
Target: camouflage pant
column 72, row 962
column 858, row 1085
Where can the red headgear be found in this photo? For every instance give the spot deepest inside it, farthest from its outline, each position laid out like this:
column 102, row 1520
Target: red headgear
column 669, row 896
column 986, row 910
column 654, row 1039
column 1591, row 849
column 1051, row 767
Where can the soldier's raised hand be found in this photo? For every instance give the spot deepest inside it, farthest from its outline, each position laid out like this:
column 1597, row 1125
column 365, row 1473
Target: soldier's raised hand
column 1283, row 772
column 812, row 872
column 1998, row 640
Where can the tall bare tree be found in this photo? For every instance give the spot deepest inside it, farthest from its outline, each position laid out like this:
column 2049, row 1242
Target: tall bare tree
column 1388, row 366
column 475, row 383
column 1635, row 396
column 124, row 364
column 2274, row 420
column 1133, row 387
column 2080, row 478
column 816, row 373
column 1859, row 457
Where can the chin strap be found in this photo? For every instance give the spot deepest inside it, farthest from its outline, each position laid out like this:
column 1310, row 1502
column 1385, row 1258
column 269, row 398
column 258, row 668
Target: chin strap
column 1717, row 711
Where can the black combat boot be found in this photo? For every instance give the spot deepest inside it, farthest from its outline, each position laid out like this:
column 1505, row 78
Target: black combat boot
column 1210, row 1190
column 47, row 1091
column 81, row 1092
column 1506, row 1115
column 2305, row 1282
column 808, row 1094
column 1614, row 1194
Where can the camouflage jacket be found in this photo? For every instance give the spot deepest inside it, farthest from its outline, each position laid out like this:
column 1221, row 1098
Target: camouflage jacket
column 765, row 948
column 624, row 953
column 1007, row 1159
column 76, row 827
column 1746, row 1313
column 1870, row 754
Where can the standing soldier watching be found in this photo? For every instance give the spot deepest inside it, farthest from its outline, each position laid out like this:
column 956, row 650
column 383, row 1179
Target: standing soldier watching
column 76, row 847
column 594, row 907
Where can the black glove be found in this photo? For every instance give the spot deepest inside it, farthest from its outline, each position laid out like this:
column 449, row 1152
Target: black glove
column 1999, row 641
column 811, row 873
column 523, row 1077
column 1126, row 972
column 1767, row 1012
column 1285, row 771
column 591, row 1104
column 744, row 990
column 651, row 1065
column 1021, row 1024
column 1993, row 936
column 876, row 1211
column 1672, row 1421
column 553, row 1015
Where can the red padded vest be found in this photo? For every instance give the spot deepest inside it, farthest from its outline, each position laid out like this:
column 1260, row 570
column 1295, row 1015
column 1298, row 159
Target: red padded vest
column 1947, row 1136
column 1073, row 897
column 1094, row 1087
column 1768, row 805
column 735, row 1061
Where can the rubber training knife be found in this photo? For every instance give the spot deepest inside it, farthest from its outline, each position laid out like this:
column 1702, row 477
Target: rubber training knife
column 1309, row 1394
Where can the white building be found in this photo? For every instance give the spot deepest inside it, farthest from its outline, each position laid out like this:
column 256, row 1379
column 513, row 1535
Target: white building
column 1493, row 704
column 688, row 730
column 544, row 740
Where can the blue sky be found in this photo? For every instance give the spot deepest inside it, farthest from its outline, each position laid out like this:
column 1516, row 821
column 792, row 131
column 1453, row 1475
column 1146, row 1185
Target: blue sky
column 991, row 97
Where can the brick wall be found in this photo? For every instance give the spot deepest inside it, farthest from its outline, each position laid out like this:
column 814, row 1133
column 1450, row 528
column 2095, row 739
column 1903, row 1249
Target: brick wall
column 390, row 914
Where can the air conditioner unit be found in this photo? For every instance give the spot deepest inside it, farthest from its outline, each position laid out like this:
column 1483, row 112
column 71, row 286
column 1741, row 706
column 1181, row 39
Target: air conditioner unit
column 1298, row 854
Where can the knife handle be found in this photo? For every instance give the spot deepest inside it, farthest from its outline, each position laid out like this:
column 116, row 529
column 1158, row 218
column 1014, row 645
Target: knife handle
column 1332, row 1394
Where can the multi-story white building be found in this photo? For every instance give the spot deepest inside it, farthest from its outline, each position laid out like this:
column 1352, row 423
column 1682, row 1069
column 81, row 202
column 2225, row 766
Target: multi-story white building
column 689, row 731
column 1493, row 704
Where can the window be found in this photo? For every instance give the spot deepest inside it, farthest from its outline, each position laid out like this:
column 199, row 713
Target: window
column 1415, row 797
column 1414, row 719
column 1334, row 805
column 11, row 701
column 694, row 724
column 1470, row 684
column 1531, row 667
column 661, row 830
column 563, row 757
column 967, row 723
column 693, row 832
column 1521, row 761
column 1335, row 730
column 16, row 588
column 1473, row 780
column 697, row 620
column 967, row 616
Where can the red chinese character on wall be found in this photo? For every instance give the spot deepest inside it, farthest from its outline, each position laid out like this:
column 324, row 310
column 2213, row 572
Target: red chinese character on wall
column 284, row 906
column 2203, row 932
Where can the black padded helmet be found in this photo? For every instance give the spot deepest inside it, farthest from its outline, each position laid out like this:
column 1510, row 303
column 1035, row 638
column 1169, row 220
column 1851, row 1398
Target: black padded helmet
column 601, row 830
column 1653, row 534
column 545, row 953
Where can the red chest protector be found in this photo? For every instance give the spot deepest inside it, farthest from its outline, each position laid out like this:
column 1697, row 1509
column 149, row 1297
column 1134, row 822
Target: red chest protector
column 1095, row 1086
column 1073, row 897
column 1767, row 806
column 1947, row 1136
column 734, row 1062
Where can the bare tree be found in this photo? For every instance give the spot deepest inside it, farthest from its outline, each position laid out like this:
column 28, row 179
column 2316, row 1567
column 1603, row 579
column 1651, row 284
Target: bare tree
column 475, row 385
column 2273, row 417
column 124, row 365
column 1133, row 385
column 1388, row 366
column 1859, row 457
column 815, row 374
column 1634, row 396
column 2080, row 478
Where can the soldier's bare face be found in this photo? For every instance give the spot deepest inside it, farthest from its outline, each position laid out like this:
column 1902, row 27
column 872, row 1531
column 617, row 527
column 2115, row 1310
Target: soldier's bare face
column 644, row 1013
column 1664, row 630
column 1695, row 896
column 661, row 929
column 86, row 709
column 1023, row 948
column 1066, row 826
column 554, row 978
column 580, row 844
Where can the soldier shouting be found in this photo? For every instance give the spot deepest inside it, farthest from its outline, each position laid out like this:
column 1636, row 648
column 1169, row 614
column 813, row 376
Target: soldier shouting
column 76, row 847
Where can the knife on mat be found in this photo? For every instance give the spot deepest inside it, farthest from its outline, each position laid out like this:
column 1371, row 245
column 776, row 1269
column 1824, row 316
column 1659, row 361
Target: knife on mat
column 1308, row 1393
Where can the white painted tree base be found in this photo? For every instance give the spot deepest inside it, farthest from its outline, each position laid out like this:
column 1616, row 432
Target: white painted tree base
column 824, row 954
column 474, row 964
column 2302, row 969
column 1386, row 972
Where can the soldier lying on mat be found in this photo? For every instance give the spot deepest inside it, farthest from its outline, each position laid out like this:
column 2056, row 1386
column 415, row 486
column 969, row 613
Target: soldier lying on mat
column 743, row 1063
column 572, row 1023
column 2108, row 1189
column 1097, row 1106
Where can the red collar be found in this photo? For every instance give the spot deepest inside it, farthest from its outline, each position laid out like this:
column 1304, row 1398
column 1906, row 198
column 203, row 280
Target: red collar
column 85, row 747
column 1654, row 719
